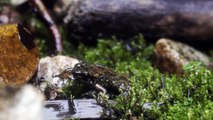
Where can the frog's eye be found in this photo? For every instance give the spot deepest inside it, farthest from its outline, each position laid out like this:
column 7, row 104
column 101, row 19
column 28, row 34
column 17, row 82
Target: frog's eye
column 78, row 65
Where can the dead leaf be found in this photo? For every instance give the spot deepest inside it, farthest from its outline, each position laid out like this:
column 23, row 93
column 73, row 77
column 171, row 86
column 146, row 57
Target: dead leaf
column 18, row 55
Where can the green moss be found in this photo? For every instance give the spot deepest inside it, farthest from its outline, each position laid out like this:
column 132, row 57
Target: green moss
column 112, row 51
column 185, row 97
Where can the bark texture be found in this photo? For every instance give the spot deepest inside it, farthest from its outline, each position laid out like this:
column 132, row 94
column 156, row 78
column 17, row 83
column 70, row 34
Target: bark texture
column 189, row 20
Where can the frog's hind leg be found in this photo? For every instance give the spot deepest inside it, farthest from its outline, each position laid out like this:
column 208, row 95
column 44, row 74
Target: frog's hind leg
column 102, row 97
column 103, row 100
column 99, row 87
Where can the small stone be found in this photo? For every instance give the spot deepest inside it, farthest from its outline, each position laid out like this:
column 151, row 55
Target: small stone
column 20, row 103
column 171, row 56
column 49, row 67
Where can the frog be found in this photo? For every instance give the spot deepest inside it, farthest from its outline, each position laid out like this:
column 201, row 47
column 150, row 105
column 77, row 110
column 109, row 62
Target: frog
column 100, row 82
column 100, row 79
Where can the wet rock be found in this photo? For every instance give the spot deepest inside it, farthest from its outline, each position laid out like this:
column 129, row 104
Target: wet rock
column 171, row 56
column 47, row 69
column 20, row 103
column 84, row 109
column 18, row 55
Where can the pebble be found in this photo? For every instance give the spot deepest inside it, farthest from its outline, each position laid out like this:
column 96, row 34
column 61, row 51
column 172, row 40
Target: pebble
column 171, row 56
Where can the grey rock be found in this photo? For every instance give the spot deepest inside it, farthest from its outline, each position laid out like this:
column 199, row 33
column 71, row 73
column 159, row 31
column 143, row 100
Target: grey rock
column 49, row 67
column 83, row 109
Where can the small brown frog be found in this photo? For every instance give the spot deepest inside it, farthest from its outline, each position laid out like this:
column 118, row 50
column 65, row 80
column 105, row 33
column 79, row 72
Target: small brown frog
column 101, row 78
column 100, row 82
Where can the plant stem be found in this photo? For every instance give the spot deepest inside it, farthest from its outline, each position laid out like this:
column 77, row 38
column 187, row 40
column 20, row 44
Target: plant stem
column 47, row 19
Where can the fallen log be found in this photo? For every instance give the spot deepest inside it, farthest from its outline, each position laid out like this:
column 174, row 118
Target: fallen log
column 188, row 20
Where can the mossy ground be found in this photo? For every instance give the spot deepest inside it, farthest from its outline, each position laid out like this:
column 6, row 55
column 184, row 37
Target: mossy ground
column 183, row 97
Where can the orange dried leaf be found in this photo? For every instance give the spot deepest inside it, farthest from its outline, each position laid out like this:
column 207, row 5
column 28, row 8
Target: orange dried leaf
column 18, row 55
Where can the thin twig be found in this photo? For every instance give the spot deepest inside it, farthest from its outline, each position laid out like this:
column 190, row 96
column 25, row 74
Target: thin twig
column 42, row 11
